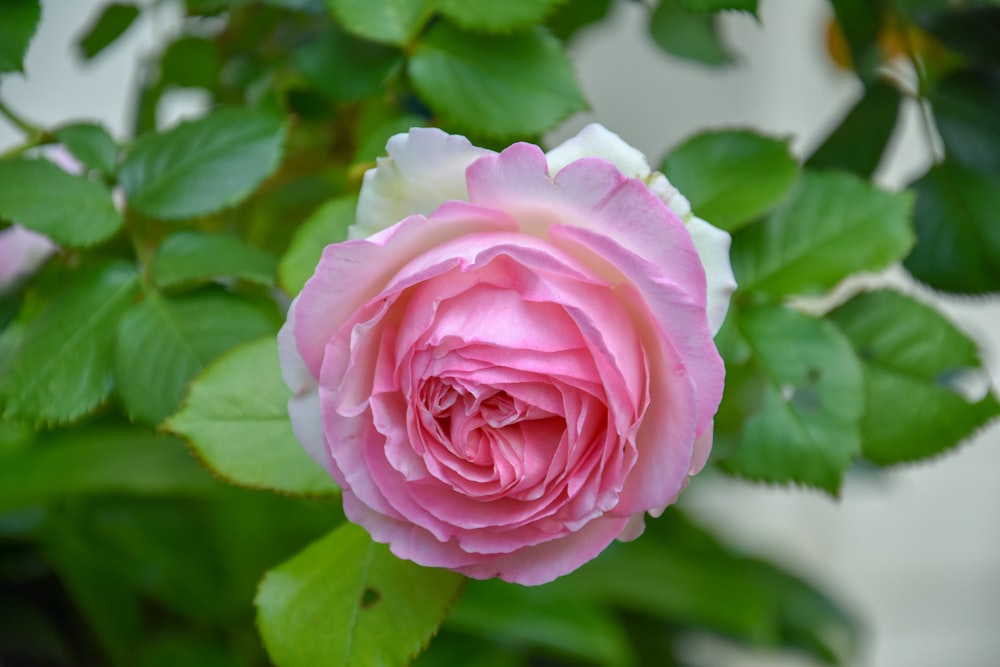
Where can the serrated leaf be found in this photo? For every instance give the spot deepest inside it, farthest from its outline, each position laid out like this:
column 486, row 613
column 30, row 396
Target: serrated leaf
column 492, row 85
column 496, row 16
column 20, row 20
column 859, row 140
column 164, row 342
column 328, row 224
column 202, row 166
column 91, row 144
column 112, row 23
column 915, row 364
column 71, row 210
column 688, row 35
column 832, row 225
column 60, row 365
column 190, row 258
column 346, row 600
column 958, row 236
column 808, row 428
column 720, row 5
column 388, row 21
column 732, row 177
column 966, row 104
column 236, row 419
column 324, row 61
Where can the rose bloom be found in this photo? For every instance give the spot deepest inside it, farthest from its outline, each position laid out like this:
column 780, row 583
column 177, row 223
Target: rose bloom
column 511, row 360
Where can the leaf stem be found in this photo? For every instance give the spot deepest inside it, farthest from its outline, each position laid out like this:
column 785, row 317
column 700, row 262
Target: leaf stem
column 35, row 136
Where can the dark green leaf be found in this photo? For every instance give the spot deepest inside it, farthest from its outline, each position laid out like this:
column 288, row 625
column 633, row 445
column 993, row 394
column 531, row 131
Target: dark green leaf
column 387, row 21
column 328, row 224
column 496, row 16
column 164, row 342
column 236, row 419
column 732, row 177
column 495, row 86
column 966, row 109
column 571, row 17
column 808, row 428
column 833, row 225
column 958, row 233
column 916, row 367
column 114, row 20
column 688, row 35
column 720, row 5
column 187, row 258
column 861, row 23
column 859, row 140
column 190, row 62
column 202, row 166
column 967, row 29
column 346, row 68
column 91, row 144
column 191, row 649
column 71, row 210
column 346, row 600
column 20, row 19
column 60, row 366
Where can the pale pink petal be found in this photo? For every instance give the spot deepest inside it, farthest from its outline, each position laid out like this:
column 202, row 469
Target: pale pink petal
column 21, row 252
column 595, row 140
column 304, row 412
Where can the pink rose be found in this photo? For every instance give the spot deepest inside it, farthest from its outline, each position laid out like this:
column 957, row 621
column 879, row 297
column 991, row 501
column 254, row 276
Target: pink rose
column 511, row 362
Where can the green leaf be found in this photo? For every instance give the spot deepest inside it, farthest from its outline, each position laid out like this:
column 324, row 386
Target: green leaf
column 495, row 86
column 202, row 166
column 100, row 460
column 328, row 224
column 859, row 140
column 964, row 28
column 236, row 419
column 60, row 366
column 720, row 5
column 20, row 19
column 71, row 210
column 496, row 16
column 808, row 428
column 688, row 35
column 190, row 62
column 324, row 64
column 915, row 365
column 164, row 342
column 861, row 21
column 732, row 177
column 346, row 600
column 388, row 21
column 958, row 238
column 114, row 20
column 966, row 104
column 188, row 258
column 833, row 225
column 91, row 144
column 571, row 17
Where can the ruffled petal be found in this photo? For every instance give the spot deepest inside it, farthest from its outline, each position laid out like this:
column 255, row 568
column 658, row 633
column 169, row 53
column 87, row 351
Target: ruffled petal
column 595, row 140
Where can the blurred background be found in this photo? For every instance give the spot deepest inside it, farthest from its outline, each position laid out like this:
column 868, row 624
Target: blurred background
column 914, row 552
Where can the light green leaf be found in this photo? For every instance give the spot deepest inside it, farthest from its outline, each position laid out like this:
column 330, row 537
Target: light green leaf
column 91, row 144
column 202, row 166
column 720, row 5
column 323, row 61
column 496, row 16
column 236, row 419
column 60, row 363
column 164, row 342
column 20, row 19
column 388, row 21
column 71, row 210
column 833, row 225
column 495, row 86
column 732, row 177
column 346, row 600
column 112, row 23
column 328, row 224
column 916, row 366
column 187, row 258
column 684, row 34
column 808, row 428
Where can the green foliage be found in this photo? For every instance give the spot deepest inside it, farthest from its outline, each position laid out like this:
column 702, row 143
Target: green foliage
column 191, row 258
column 91, row 144
column 71, row 210
column 323, row 60
column 732, row 177
column 387, row 21
column 345, row 600
column 496, row 16
column 861, row 22
column 492, row 85
column 242, row 434
column 20, row 19
column 859, row 141
column 328, row 224
column 686, row 34
column 965, row 105
column 190, row 62
column 114, row 20
column 720, row 5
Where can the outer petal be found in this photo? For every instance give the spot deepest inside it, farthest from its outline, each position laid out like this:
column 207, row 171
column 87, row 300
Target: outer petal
column 712, row 245
column 595, row 140
column 425, row 168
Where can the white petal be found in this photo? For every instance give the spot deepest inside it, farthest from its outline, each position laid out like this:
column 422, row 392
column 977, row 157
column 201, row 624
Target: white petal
column 712, row 245
column 668, row 194
column 293, row 369
column 424, row 169
column 307, row 424
column 595, row 140
column 634, row 528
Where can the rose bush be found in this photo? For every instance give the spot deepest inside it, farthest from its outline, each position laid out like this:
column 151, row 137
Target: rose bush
column 511, row 360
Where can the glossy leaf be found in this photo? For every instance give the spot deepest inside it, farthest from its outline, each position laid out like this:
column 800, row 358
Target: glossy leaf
column 492, row 85
column 112, row 23
column 203, row 165
column 808, row 428
column 324, row 61
column 732, row 177
column 688, row 35
column 958, row 238
column 966, row 105
column 60, row 366
column 387, row 21
column 496, row 16
column 188, row 258
column 831, row 226
column 346, row 600
column 328, row 224
column 860, row 139
column 918, row 370
column 20, row 19
column 91, row 144
column 71, row 210
column 236, row 419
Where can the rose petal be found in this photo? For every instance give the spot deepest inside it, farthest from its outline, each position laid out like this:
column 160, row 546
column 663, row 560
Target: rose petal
column 595, row 140
column 713, row 248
